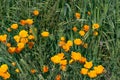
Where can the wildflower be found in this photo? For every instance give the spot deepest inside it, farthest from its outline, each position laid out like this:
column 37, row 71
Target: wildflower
column 61, row 43
column 99, row 69
column 58, row 77
column 17, row 38
column 95, row 26
column 77, row 15
column 86, row 28
column 95, row 33
column 8, row 29
column 84, row 71
column 17, row 70
column 63, row 62
column 66, row 47
column 24, row 40
column 36, row 12
column 45, row 69
column 74, row 28
column 11, row 50
column 82, row 60
column 20, row 45
column 29, row 21
column 88, row 65
column 22, row 22
column 75, row 56
column 71, row 61
column 30, row 44
column 33, row 71
column 18, row 50
column 69, row 43
column 31, row 37
column 62, row 38
column 13, row 63
column 85, row 45
column 45, row 34
column 57, row 58
column 82, row 33
column 63, row 67
column 14, row 26
column 3, row 38
column 23, row 33
column 89, row 13
column 4, row 68
column 92, row 74
column 6, row 75
column 8, row 44
column 78, row 41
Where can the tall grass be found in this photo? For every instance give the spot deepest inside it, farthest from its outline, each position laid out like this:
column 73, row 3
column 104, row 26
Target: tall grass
column 58, row 17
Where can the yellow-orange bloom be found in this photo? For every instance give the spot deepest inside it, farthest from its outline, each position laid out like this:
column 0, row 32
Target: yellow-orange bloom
column 45, row 69
column 92, row 74
column 63, row 62
column 3, row 38
column 20, row 45
column 99, row 69
column 70, row 61
column 95, row 26
column 17, row 70
column 63, row 67
column 24, row 40
column 33, row 71
column 11, row 50
column 4, row 68
column 82, row 60
column 8, row 44
column 86, row 28
column 95, row 33
column 58, row 77
column 66, row 47
column 69, row 43
column 17, row 38
column 74, row 28
column 62, row 38
column 5, row 75
column 77, row 41
column 29, row 21
column 77, row 15
column 36, row 12
column 31, row 37
column 76, row 56
column 8, row 29
column 85, row 45
column 84, row 71
column 14, row 26
column 45, row 34
column 22, row 22
column 30, row 44
column 88, row 65
column 89, row 13
column 82, row 33
column 57, row 58
column 13, row 63
column 23, row 33
column 61, row 43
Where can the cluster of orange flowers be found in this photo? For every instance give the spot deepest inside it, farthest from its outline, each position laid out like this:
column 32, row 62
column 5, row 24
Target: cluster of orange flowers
column 24, row 37
column 92, row 73
column 76, row 56
column 21, row 39
column 4, row 71
column 3, row 38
